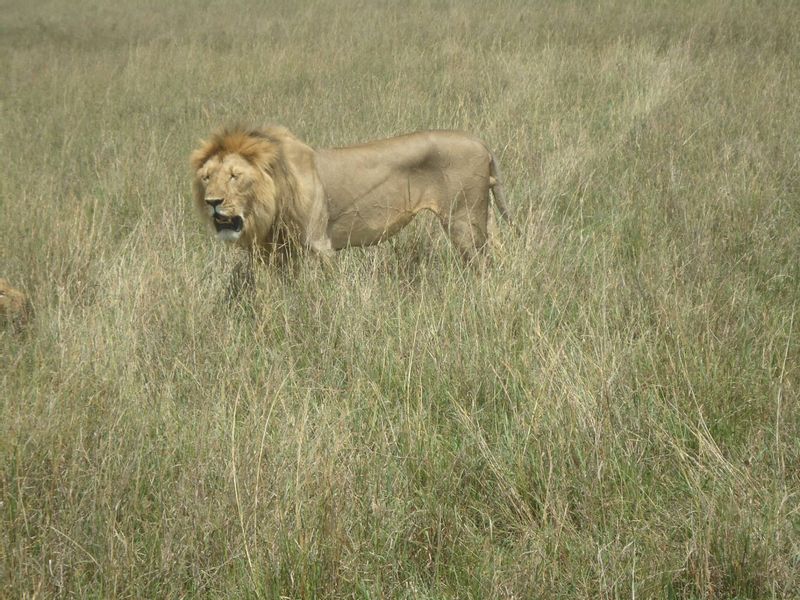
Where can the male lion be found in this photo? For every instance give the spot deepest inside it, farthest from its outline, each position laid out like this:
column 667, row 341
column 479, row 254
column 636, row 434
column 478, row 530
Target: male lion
column 267, row 191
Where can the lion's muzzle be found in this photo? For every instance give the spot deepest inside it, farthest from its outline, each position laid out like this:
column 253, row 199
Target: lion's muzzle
column 228, row 226
column 226, row 223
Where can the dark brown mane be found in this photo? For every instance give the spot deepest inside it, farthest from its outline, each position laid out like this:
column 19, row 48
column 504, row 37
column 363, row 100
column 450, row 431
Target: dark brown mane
column 256, row 146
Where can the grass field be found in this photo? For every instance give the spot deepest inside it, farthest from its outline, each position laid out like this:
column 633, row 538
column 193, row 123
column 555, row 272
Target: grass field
column 611, row 411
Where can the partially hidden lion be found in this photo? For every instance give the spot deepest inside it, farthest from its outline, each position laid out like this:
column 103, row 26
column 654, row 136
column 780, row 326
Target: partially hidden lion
column 15, row 308
column 267, row 191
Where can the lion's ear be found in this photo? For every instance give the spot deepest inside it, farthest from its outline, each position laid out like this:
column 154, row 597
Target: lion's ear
column 199, row 156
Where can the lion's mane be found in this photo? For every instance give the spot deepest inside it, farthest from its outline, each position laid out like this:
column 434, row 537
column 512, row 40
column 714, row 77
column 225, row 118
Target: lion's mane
column 265, row 148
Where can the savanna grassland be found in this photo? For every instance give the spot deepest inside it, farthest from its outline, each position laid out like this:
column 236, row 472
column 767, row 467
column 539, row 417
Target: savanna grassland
column 610, row 411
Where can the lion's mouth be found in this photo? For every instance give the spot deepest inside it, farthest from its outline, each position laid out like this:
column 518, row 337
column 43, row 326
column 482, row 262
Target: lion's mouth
column 226, row 223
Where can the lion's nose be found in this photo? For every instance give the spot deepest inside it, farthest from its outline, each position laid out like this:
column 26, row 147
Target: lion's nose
column 213, row 202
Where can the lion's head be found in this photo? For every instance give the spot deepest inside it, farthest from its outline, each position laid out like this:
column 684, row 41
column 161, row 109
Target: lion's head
column 239, row 181
column 15, row 308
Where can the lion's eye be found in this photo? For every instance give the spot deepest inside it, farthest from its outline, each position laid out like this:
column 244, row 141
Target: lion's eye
column 204, row 178
column 234, row 175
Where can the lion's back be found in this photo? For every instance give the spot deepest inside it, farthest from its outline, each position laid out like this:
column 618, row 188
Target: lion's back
column 436, row 149
column 351, row 170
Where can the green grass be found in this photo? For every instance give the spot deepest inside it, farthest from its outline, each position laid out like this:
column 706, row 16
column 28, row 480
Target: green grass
column 610, row 412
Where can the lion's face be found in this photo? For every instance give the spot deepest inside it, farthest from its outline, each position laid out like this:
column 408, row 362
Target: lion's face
column 231, row 191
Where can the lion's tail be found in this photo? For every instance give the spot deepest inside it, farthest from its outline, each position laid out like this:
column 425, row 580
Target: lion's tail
column 496, row 184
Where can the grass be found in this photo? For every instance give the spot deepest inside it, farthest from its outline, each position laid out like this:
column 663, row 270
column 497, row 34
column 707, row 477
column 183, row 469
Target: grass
column 610, row 412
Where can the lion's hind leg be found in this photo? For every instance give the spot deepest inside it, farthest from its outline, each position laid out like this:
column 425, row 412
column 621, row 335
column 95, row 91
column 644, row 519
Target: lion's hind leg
column 467, row 228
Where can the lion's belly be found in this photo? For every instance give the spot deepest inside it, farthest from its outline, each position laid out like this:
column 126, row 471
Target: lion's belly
column 367, row 225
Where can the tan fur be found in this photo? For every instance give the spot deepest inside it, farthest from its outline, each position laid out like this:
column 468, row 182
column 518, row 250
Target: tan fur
column 15, row 309
column 289, row 195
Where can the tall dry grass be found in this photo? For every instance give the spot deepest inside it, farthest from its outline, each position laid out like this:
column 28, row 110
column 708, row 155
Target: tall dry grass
column 611, row 411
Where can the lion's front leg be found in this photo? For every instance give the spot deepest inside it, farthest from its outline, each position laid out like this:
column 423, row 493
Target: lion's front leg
column 243, row 277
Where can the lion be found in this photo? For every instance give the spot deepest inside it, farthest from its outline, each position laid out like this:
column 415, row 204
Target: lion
column 15, row 308
column 266, row 191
